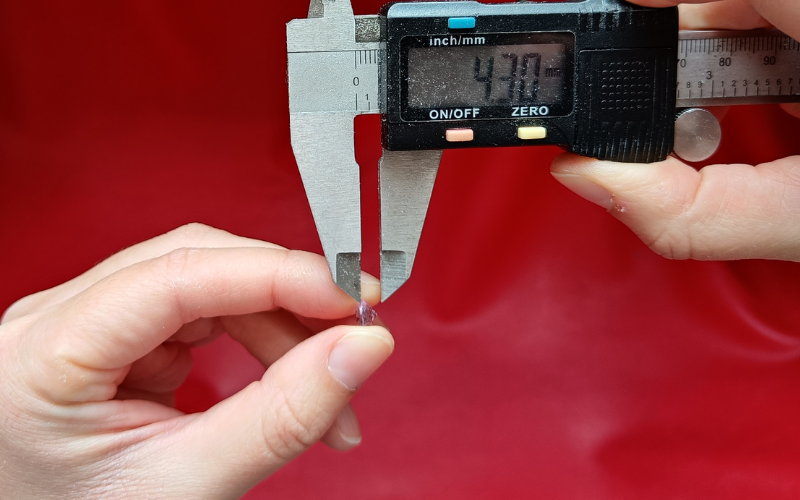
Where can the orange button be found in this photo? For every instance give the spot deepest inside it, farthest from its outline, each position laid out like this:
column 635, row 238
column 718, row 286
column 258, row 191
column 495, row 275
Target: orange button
column 459, row 135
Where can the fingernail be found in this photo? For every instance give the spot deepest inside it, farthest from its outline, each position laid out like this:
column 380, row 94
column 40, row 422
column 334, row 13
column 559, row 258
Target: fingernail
column 586, row 189
column 370, row 286
column 358, row 354
column 348, row 427
column 368, row 279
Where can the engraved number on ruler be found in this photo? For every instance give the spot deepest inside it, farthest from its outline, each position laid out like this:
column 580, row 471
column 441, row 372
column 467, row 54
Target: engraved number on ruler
column 739, row 67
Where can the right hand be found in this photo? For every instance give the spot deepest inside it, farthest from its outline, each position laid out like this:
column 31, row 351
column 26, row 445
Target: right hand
column 88, row 371
column 721, row 211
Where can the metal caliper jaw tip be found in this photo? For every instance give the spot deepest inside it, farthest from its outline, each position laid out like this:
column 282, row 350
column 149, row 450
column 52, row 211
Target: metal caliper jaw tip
column 394, row 272
column 348, row 274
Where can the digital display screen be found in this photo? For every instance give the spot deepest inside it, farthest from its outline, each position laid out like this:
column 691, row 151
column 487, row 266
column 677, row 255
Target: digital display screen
column 502, row 74
column 495, row 73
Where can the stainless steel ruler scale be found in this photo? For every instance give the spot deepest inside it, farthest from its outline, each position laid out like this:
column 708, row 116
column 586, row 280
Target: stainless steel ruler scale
column 718, row 68
column 503, row 74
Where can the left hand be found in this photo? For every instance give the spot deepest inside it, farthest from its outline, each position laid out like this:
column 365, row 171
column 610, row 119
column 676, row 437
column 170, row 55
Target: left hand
column 88, row 371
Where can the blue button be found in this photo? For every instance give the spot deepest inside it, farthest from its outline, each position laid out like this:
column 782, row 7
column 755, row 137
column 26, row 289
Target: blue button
column 461, row 23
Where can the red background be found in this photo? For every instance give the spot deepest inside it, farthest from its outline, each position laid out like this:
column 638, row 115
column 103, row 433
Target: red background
column 542, row 350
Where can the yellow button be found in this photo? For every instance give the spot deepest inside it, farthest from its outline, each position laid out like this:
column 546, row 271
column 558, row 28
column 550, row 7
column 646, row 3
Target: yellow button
column 459, row 135
column 526, row 133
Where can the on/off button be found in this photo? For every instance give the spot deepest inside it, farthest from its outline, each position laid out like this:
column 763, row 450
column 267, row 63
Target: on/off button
column 459, row 135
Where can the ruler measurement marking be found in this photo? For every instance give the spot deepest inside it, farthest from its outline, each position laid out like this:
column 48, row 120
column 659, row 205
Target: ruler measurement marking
column 366, row 56
column 737, row 60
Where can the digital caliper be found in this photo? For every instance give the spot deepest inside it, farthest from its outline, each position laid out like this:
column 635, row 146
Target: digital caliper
column 601, row 78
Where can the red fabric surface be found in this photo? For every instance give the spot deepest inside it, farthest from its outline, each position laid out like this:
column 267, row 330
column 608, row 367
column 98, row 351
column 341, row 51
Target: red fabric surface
column 542, row 350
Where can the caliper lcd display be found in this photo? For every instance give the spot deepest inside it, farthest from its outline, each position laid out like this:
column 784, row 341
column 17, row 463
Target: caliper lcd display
column 487, row 76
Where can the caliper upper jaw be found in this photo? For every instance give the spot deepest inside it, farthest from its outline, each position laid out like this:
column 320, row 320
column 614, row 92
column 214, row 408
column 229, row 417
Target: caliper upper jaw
column 406, row 180
column 322, row 51
column 330, row 26
column 316, row 9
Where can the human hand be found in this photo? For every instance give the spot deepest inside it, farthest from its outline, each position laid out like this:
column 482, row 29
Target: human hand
column 721, row 211
column 88, row 371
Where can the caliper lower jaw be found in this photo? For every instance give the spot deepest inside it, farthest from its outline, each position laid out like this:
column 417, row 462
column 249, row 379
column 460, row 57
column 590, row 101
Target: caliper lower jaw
column 331, row 78
column 321, row 51
column 331, row 179
column 406, row 180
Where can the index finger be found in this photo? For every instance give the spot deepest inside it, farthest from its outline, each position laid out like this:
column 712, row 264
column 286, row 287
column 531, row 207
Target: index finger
column 190, row 235
column 89, row 340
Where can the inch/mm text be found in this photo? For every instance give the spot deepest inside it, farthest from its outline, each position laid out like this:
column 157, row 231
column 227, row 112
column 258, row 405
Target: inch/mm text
column 454, row 41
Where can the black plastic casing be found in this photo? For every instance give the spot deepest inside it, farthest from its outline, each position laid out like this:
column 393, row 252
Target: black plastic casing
column 623, row 85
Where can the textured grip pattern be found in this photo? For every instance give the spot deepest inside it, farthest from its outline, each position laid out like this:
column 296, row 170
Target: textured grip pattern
column 626, row 105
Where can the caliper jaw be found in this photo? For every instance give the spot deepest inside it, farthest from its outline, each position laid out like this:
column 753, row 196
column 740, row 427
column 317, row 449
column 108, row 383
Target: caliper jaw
column 325, row 83
column 406, row 181
column 333, row 77
column 331, row 179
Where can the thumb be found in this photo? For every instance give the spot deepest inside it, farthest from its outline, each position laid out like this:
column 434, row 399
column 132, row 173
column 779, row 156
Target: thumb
column 719, row 212
column 230, row 448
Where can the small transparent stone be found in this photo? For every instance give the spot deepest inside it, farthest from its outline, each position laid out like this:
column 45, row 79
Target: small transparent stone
column 365, row 315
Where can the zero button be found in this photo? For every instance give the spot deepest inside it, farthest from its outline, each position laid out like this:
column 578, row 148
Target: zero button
column 530, row 133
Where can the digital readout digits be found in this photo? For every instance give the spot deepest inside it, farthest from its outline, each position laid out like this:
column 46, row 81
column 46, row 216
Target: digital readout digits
column 486, row 75
column 515, row 89
column 501, row 76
